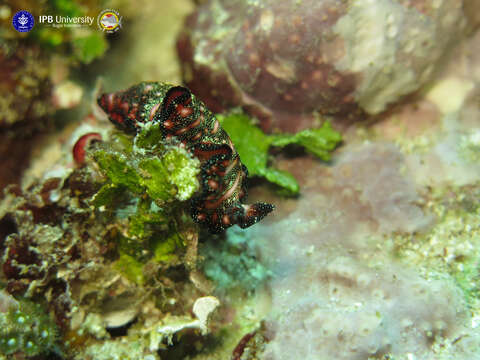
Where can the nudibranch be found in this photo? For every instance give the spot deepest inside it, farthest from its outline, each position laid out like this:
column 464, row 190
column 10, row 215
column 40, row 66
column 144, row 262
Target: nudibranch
column 185, row 119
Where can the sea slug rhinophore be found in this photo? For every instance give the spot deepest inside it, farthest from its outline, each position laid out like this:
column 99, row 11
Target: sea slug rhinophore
column 185, row 119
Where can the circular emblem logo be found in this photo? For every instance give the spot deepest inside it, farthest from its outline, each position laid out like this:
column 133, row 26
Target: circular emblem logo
column 23, row 21
column 109, row 21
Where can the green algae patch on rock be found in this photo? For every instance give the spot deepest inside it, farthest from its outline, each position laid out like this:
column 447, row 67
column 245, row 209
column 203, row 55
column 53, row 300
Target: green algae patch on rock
column 130, row 268
column 107, row 195
column 164, row 174
column 118, row 170
column 164, row 249
column 282, row 178
column 150, row 138
column 177, row 170
column 253, row 145
column 183, row 171
column 320, row 142
column 146, row 220
column 147, row 184
column 153, row 170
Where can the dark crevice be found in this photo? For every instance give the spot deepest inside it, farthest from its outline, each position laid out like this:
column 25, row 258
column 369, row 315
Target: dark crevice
column 120, row 330
column 7, row 227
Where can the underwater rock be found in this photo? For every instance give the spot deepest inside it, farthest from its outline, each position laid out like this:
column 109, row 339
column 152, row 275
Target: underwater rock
column 472, row 11
column 106, row 244
column 350, row 311
column 283, row 61
column 25, row 88
column 24, row 105
column 338, row 283
column 390, row 196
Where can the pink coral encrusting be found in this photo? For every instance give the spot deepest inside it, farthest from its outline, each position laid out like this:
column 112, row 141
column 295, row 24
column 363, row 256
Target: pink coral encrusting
column 284, row 60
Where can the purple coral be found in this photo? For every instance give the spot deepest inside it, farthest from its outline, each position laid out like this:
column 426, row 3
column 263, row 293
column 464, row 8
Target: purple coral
column 284, row 60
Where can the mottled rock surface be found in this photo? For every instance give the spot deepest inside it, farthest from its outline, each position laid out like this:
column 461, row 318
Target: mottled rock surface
column 284, row 60
column 343, row 288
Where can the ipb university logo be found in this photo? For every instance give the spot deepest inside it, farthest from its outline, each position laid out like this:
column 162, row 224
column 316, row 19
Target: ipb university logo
column 23, row 21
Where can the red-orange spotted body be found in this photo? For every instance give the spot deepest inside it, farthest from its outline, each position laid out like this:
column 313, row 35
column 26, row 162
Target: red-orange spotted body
column 182, row 116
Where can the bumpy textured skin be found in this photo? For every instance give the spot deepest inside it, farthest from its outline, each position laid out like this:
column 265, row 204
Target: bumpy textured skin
column 183, row 117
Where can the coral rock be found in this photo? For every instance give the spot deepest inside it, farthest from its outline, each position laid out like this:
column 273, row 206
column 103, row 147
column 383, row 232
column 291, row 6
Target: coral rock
column 283, row 60
column 339, row 291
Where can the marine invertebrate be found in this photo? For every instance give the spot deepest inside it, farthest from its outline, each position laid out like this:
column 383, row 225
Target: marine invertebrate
column 185, row 120
column 240, row 348
column 26, row 328
column 82, row 144
column 283, row 60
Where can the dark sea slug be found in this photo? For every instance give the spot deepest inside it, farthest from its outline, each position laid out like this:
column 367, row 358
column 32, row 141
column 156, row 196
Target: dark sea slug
column 183, row 117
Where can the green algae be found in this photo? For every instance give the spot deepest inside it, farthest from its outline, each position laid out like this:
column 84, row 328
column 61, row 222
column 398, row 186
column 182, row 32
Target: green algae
column 319, row 142
column 146, row 221
column 147, row 184
column 90, row 47
column 150, row 138
column 182, row 171
column 165, row 176
column 253, row 145
column 164, row 249
column 107, row 195
column 153, row 169
column 118, row 170
column 130, row 268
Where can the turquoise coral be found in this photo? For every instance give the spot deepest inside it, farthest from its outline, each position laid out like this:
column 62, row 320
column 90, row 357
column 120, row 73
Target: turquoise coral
column 233, row 263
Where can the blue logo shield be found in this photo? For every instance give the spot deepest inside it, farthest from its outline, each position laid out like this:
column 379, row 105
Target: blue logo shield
column 23, row 21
